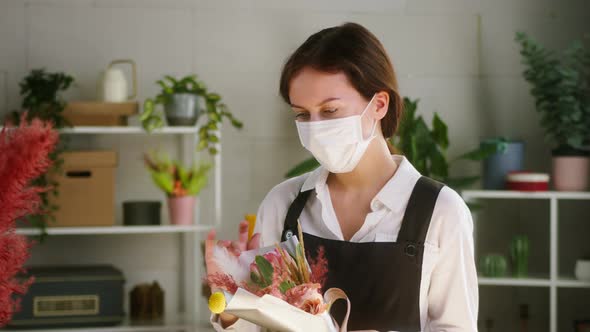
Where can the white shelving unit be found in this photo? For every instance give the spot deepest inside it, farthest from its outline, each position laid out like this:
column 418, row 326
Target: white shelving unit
column 116, row 230
column 553, row 281
column 173, row 324
column 189, row 235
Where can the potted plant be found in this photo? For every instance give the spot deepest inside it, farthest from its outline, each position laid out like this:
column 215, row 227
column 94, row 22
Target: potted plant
column 425, row 148
column 181, row 101
column 561, row 88
column 180, row 183
column 41, row 93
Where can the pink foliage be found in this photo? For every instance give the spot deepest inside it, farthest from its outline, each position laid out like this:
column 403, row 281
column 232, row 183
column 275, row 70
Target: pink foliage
column 222, row 281
column 319, row 267
column 24, row 156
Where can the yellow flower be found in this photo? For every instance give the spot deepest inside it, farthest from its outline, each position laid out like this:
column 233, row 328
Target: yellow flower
column 217, row 302
column 251, row 218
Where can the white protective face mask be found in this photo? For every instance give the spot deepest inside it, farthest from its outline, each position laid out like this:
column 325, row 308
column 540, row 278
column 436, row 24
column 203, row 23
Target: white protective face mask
column 337, row 144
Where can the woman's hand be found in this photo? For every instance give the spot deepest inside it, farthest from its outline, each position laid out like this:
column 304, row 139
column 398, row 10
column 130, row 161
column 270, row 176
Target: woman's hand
column 235, row 248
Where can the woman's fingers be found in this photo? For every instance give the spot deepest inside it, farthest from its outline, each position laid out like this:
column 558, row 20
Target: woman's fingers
column 234, row 247
column 224, row 243
column 209, row 243
column 243, row 235
column 254, row 242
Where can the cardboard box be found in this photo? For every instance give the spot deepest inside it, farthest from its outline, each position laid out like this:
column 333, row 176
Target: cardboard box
column 86, row 189
column 96, row 113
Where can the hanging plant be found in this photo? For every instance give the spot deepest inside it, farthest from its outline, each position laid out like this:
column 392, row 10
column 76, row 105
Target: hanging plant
column 172, row 90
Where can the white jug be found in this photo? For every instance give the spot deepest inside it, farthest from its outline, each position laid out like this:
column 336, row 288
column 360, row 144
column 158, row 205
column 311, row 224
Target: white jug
column 114, row 84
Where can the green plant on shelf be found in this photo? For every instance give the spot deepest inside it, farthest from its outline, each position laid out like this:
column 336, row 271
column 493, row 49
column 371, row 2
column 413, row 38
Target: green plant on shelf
column 41, row 93
column 425, row 148
column 216, row 110
column 560, row 86
column 175, row 179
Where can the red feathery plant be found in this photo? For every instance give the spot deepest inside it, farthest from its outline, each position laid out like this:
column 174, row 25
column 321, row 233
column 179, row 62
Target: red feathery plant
column 24, row 154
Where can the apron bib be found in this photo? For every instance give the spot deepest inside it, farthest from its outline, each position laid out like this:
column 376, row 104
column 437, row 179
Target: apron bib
column 381, row 279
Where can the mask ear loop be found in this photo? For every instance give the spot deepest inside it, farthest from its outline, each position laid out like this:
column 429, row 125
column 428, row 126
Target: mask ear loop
column 374, row 122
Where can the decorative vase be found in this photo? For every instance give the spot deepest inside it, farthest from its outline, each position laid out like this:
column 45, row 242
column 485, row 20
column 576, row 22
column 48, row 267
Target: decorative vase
column 494, row 265
column 181, row 210
column 519, row 253
column 182, row 109
column 498, row 165
column 570, row 172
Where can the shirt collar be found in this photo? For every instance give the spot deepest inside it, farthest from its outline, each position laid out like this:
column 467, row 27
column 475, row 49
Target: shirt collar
column 394, row 194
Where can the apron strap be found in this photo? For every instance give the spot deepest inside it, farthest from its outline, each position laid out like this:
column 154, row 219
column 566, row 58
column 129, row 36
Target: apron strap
column 415, row 222
column 293, row 214
column 416, row 219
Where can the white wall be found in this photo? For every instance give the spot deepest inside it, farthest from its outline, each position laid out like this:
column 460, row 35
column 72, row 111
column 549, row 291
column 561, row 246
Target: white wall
column 457, row 56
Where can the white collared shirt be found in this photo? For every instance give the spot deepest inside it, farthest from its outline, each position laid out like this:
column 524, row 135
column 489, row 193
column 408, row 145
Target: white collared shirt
column 449, row 289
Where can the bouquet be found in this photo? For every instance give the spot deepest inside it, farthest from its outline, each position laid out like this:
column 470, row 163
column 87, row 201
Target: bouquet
column 274, row 287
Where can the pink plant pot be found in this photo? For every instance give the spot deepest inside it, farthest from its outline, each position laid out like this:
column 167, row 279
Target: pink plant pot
column 181, row 210
column 570, row 173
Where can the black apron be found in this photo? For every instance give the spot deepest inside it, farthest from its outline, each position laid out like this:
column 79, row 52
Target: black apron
column 381, row 279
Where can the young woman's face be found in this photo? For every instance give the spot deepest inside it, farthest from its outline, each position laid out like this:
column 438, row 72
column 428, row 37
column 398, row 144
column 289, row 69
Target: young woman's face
column 316, row 96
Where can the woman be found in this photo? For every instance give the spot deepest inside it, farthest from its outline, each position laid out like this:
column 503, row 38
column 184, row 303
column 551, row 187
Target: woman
column 398, row 243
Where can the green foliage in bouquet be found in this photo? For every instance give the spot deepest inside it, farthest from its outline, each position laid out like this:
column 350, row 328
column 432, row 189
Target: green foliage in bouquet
column 175, row 179
column 215, row 109
column 425, row 148
column 294, row 268
column 561, row 88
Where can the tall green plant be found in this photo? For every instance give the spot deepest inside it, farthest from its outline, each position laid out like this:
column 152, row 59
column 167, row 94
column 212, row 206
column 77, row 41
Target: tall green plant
column 561, row 88
column 41, row 93
column 216, row 110
column 425, row 148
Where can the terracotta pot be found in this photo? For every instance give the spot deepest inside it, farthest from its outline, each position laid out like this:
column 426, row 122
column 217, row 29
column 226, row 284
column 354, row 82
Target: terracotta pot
column 570, row 173
column 181, row 210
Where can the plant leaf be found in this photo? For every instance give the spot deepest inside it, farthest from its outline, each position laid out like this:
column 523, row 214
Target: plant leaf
column 303, row 167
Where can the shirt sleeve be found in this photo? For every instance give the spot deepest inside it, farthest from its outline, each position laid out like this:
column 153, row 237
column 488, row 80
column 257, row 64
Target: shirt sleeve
column 453, row 293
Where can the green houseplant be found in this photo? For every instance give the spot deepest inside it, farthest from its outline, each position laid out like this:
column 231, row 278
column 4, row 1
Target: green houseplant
column 425, row 148
column 41, row 93
column 180, row 183
column 180, row 99
column 561, row 88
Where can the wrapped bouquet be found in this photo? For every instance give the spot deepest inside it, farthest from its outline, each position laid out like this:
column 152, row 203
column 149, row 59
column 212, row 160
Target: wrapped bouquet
column 274, row 287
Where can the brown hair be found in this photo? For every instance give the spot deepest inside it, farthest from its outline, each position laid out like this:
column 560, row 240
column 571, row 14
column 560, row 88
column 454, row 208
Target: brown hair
column 352, row 49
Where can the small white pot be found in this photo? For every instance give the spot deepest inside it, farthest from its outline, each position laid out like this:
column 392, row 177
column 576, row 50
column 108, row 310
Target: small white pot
column 583, row 269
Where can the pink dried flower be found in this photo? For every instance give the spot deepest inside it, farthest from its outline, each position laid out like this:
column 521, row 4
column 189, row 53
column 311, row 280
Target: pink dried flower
column 297, row 295
column 222, row 281
column 319, row 267
column 314, row 306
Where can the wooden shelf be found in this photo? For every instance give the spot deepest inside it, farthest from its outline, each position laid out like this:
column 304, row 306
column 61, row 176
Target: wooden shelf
column 128, row 130
column 513, row 194
column 116, row 230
